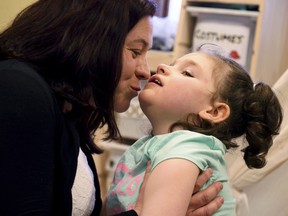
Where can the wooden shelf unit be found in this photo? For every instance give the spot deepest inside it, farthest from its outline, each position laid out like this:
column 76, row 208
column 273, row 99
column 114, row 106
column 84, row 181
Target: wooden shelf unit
column 155, row 57
column 270, row 43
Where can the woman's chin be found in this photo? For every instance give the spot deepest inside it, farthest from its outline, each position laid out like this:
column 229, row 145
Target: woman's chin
column 121, row 107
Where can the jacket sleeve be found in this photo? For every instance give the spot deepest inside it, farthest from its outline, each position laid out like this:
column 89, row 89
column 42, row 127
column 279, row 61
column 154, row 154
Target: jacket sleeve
column 27, row 137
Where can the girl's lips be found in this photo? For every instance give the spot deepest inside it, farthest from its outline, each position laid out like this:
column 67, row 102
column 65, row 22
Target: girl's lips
column 155, row 79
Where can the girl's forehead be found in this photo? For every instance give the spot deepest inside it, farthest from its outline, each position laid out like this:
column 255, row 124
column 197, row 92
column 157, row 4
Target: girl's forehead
column 196, row 56
column 196, row 59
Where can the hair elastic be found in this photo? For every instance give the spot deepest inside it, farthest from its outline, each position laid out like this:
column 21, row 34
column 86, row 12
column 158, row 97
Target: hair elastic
column 254, row 86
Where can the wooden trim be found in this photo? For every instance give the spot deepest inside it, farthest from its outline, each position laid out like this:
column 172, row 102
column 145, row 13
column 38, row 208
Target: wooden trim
column 155, row 57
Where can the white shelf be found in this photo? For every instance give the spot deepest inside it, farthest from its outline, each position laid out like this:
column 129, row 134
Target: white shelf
column 248, row 2
column 270, row 44
column 195, row 11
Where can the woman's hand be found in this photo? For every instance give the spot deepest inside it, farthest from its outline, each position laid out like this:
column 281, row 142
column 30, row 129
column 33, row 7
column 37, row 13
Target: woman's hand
column 205, row 202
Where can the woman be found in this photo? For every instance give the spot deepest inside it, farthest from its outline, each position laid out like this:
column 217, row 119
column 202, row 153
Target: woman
column 66, row 66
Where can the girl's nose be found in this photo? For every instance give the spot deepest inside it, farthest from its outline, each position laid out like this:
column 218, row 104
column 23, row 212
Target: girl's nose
column 162, row 69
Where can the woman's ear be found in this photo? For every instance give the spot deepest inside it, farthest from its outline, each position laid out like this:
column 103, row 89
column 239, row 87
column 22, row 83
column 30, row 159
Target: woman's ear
column 218, row 113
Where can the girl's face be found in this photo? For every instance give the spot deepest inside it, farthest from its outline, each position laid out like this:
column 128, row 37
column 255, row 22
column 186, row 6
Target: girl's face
column 135, row 67
column 177, row 90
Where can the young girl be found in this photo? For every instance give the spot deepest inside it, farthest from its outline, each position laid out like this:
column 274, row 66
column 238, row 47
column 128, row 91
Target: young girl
column 196, row 106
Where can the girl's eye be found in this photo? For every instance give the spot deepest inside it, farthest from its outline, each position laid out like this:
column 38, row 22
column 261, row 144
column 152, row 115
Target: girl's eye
column 187, row 73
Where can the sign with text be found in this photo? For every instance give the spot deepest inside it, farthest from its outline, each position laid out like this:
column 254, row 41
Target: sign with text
column 231, row 33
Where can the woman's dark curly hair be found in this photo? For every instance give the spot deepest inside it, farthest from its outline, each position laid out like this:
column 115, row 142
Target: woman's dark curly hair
column 255, row 111
column 77, row 45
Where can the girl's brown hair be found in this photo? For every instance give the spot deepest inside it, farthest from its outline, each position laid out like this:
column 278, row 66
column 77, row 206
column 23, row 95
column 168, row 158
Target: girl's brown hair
column 255, row 112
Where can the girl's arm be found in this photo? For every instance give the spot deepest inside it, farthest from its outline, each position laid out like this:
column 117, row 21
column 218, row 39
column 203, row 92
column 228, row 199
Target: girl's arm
column 169, row 188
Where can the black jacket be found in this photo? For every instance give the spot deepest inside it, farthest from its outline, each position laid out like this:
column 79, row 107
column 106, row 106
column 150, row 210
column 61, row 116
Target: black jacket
column 39, row 147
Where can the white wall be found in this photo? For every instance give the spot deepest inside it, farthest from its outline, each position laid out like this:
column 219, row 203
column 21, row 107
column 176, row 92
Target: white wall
column 174, row 10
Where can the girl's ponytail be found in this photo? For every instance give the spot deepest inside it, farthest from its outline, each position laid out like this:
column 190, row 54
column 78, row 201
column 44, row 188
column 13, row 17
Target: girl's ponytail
column 262, row 114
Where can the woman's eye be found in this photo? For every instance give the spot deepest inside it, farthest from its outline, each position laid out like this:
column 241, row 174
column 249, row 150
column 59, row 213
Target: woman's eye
column 135, row 52
column 187, row 73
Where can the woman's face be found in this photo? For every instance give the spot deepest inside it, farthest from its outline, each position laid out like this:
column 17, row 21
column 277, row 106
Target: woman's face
column 135, row 67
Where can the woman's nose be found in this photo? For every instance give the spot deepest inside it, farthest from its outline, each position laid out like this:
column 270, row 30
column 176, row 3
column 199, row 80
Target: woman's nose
column 142, row 71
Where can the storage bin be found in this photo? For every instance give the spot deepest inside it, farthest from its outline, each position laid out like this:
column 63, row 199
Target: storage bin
column 232, row 33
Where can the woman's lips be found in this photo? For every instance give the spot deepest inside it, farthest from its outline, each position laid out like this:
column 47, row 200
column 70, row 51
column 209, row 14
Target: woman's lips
column 135, row 89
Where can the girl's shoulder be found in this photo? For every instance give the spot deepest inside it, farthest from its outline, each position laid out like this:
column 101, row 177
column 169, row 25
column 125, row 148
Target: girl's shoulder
column 191, row 138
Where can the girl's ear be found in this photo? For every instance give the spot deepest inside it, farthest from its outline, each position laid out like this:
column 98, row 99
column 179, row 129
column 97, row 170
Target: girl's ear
column 218, row 113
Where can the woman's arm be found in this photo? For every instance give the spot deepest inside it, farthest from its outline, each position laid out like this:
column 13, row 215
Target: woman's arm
column 169, row 188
